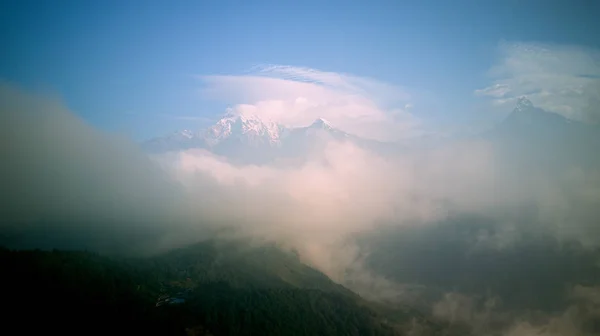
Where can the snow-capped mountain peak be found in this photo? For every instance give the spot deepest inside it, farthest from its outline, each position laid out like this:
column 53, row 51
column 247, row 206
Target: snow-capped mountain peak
column 182, row 135
column 187, row 134
column 250, row 137
column 322, row 124
column 243, row 125
column 523, row 104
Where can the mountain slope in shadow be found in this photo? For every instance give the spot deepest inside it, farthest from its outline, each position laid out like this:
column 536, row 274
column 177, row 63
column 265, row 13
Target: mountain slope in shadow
column 206, row 289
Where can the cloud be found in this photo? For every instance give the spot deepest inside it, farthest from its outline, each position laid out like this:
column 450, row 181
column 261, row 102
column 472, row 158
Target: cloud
column 297, row 96
column 378, row 91
column 60, row 174
column 496, row 90
column 580, row 318
column 487, row 316
column 560, row 79
column 60, row 169
column 68, row 184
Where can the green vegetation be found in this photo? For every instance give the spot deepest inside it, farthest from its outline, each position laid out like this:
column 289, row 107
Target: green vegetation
column 222, row 290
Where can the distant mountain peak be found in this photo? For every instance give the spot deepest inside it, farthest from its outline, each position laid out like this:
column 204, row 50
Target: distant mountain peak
column 187, row 133
column 250, row 127
column 321, row 123
column 251, row 138
column 523, row 104
column 530, row 119
column 183, row 135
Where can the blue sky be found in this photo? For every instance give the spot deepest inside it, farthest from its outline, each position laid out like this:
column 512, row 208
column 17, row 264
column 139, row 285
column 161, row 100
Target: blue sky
column 126, row 67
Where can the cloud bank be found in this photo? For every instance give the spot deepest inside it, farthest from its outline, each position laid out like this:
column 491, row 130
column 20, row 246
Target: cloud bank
column 557, row 78
column 67, row 184
column 342, row 189
column 295, row 97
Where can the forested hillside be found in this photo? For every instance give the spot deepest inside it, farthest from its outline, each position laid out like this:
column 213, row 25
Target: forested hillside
column 201, row 290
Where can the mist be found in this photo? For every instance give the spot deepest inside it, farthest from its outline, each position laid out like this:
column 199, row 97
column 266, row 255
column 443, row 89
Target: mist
column 68, row 185
column 64, row 180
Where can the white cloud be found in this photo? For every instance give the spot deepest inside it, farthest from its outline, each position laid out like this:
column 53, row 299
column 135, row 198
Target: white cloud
column 297, row 96
column 376, row 90
column 59, row 171
column 560, row 79
column 496, row 90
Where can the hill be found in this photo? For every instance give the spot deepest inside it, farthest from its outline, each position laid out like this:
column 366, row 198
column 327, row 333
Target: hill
column 205, row 289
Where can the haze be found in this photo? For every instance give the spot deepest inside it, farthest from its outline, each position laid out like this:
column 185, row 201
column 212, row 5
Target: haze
column 506, row 171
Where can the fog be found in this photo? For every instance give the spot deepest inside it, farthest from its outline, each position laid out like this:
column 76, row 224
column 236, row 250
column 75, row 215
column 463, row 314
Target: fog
column 66, row 184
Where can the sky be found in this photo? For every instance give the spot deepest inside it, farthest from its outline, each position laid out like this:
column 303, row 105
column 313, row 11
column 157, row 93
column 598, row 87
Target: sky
column 74, row 73
column 139, row 67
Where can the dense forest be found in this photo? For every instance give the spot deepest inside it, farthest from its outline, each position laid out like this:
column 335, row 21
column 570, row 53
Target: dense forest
column 205, row 289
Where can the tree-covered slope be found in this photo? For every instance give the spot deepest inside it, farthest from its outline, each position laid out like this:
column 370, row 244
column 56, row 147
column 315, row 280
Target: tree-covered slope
column 206, row 289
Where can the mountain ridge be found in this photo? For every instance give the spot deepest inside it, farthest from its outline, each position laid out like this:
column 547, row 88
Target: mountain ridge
column 226, row 288
column 246, row 138
column 250, row 128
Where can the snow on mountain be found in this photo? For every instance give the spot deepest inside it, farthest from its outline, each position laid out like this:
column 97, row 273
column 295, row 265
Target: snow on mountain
column 523, row 104
column 525, row 113
column 538, row 136
column 248, row 127
column 247, row 138
column 182, row 135
column 250, row 139
column 246, row 135
column 321, row 124
column 175, row 141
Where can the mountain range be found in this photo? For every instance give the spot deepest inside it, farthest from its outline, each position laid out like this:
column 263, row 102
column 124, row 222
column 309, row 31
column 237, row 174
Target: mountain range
column 250, row 139
column 241, row 288
column 247, row 138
